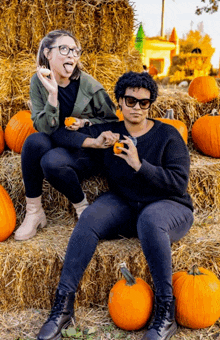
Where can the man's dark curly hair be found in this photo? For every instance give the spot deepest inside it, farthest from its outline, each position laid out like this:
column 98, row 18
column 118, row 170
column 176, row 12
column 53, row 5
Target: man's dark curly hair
column 134, row 79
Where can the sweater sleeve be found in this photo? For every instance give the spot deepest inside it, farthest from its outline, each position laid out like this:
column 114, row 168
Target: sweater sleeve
column 74, row 139
column 172, row 177
column 45, row 116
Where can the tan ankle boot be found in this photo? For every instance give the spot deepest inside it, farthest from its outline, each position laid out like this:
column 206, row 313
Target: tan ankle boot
column 34, row 218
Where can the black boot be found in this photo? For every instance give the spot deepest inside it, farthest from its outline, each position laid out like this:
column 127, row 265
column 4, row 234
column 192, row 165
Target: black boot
column 59, row 318
column 163, row 325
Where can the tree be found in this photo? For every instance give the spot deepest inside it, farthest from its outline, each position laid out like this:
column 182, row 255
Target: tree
column 212, row 7
column 139, row 41
column 195, row 39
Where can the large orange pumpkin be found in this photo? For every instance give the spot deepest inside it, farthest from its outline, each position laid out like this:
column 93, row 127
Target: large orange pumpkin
column 2, row 140
column 204, row 89
column 206, row 134
column 130, row 302
column 19, row 127
column 7, row 215
column 197, row 295
column 180, row 126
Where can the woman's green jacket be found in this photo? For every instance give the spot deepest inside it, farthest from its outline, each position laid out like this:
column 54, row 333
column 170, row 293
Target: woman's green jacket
column 92, row 103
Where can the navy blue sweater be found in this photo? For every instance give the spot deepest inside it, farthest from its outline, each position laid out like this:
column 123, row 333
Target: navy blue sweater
column 164, row 172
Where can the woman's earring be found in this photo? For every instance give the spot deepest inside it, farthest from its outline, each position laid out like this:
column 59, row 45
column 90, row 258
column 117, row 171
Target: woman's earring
column 120, row 107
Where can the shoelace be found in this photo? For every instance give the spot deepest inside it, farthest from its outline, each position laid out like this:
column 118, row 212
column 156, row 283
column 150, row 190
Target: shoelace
column 160, row 317
column 57, row 307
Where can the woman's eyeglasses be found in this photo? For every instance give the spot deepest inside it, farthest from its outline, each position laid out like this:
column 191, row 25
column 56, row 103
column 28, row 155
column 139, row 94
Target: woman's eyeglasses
column 65, row 50
column 132, row 101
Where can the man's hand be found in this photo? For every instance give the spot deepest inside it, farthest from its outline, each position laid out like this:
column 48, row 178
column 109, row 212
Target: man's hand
column 130, row 154
column 105, row 140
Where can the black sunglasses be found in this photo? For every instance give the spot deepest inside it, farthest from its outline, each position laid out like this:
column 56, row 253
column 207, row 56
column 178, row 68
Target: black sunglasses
column 132, row 101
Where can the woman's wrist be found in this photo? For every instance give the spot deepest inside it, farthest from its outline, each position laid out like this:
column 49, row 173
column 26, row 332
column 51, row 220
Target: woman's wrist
column 52, row 99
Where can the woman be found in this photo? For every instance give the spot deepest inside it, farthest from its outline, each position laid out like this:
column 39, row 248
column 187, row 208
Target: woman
column 147, row 199
column 68, row 91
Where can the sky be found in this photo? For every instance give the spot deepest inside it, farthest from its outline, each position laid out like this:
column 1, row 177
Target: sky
column 179, row 14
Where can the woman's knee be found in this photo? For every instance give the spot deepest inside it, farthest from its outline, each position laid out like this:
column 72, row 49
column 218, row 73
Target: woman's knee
column 52, row 162
column 37, row 143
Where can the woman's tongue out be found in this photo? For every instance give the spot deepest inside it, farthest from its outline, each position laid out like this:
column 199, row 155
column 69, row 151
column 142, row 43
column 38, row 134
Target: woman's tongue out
column 68, row 67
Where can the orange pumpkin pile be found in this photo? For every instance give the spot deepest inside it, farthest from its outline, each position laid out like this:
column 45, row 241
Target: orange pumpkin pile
column 197, row 295
column 130, row 302
column 69, row 121
column 19, row 127
column 180, row 126
column 7, row 215
column 204, row 89
column 206, row 134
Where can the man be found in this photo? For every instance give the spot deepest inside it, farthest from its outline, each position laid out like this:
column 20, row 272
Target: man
column 147, row 199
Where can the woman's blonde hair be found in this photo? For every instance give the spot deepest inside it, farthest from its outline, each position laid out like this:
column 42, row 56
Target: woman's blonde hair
column 48, row 41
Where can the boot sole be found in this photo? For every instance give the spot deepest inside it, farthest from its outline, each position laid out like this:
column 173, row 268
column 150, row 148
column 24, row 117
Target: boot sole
column 59, row 335
column 42, row 224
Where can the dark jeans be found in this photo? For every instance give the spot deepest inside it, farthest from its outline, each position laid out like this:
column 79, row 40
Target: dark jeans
column 157, row 225
column 62, row 168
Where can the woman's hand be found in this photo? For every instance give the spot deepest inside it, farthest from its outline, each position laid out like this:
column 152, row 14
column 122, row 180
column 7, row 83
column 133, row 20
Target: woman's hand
column 130, row 154
column 79, row 123
column 50, row 84
column 105, row 140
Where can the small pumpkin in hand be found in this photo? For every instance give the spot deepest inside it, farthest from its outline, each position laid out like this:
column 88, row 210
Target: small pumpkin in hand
column 69, row 121
column 130, row 301
column 116, row 147
column 180, row 126
column 7, row 215
column 197, row 295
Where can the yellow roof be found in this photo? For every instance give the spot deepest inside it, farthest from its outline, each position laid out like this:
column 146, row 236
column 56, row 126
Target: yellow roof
column 157, row 44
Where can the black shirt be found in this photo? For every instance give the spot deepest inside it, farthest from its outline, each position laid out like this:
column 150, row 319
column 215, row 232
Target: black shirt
column 67, row 97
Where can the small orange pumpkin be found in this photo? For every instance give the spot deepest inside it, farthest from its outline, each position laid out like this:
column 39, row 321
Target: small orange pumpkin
column 197, row 295
column 206, row 134
column 2, row 140
column 7, row 215
column 204, row 89
column 116, row 150
column 69, row 121
column 19, row 127
column 130, row 301
column 180, row 126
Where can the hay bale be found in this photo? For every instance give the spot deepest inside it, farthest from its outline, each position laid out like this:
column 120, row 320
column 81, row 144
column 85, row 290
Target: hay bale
column 30, row 270
column 23, row 23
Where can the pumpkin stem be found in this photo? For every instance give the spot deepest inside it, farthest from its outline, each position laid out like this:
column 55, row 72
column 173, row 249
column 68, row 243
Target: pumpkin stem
column 214, row 113
column 195, row 271
column 169, row 114
column 127, row 275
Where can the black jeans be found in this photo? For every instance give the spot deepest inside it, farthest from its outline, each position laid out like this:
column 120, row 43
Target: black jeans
column 156, row 225
column 63, row 169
